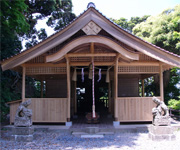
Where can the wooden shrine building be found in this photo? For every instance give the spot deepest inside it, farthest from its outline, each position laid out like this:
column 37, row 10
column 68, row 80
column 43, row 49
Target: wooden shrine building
column 123, row 57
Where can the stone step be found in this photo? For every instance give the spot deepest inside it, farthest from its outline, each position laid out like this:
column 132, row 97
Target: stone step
column 92, row 136
column 92, row 130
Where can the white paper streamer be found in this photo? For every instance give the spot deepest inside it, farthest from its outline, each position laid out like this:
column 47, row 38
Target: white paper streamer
column 82, row 74
column 99, row 75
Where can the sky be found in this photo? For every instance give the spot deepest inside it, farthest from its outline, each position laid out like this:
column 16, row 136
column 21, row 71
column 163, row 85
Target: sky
column 117, row 8
column 125, row 8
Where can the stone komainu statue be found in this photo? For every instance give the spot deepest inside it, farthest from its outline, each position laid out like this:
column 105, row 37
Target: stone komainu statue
column 23, row 115
column 160, row 113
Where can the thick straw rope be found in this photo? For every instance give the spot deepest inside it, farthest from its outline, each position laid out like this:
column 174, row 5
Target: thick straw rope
column 93, row 107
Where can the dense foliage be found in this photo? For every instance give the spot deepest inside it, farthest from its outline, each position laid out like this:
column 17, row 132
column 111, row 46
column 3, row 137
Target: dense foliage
column 163, row 30
column 18, row 21
column 174, row 104
column 130, row 24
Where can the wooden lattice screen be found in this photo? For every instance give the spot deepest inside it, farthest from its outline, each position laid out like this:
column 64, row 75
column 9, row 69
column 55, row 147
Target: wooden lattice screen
column 138, row 69
column 45, row 70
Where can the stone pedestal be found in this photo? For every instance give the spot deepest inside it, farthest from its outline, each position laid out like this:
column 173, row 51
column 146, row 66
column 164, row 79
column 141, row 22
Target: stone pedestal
column 116, row 123
column 162, row 121
column 23, row 134
column 158, row 133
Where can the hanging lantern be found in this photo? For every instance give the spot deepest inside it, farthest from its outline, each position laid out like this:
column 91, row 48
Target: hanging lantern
column 107, row 76
column 90, row 72
column 74, row 77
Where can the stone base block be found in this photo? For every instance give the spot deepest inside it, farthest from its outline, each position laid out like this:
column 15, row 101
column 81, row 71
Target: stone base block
column 116, row 123
column 168, row 137
column 23, row 138
column 158, row 133
column 23, row 130
column 23, row 134
column 68, row 124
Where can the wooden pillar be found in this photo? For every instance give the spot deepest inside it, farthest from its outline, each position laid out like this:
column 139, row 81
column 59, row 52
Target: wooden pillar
column 116, row 89
column 42, row 87
column 68, row 90
column 142, row 87
column 109, row 96
column 75, row 98
column 161, row 83
column 23, row 83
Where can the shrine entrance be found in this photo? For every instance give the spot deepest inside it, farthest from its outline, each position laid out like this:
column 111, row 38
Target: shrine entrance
column 84, row 95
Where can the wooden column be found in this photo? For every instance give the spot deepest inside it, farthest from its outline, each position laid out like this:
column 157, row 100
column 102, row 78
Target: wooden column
column 75, row 98
column 68, row 90
column 142, row 87
column 42, row 87
column 161, row 82
column 23, row 83
column 109, row 96
column 116, row 89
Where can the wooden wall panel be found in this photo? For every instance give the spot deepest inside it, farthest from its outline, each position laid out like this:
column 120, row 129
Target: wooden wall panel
column 44, row 109
column 132, row 109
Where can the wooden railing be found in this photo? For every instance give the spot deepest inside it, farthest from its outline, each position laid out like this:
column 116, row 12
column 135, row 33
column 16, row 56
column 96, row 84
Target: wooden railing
column 132, row 109
column 44, row 109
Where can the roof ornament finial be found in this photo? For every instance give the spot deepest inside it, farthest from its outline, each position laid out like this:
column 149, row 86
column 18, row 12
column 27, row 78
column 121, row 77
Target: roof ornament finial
column 91, row 4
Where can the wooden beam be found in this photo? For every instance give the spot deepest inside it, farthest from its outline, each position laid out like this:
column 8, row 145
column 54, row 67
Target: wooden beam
column 91, row 54
column 92, row 48
column 161, row 82
column 95, row 63
column 68, row 90
column 91, row 39
column 116, row 88
column 44, row 65
column 139, row 63
column 23, row 83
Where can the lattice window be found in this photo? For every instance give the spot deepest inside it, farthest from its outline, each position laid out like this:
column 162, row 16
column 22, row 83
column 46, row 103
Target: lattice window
column 104, row 59
column 45, row 70
column 103, row 50
column 80, row 59
column 138, row 69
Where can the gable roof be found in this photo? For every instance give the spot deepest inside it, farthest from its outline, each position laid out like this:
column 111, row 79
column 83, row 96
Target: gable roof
column 92, row 14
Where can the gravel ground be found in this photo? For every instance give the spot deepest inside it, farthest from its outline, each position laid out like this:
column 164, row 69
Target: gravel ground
column 63, row 140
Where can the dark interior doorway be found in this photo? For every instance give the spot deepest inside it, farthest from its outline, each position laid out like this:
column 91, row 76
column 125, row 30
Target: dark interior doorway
column 84, row 95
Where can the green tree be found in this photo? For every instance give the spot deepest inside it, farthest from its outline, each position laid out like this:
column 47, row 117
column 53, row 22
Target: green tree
column 13, row 23
column 130, row 24
column 57, row 12
column 163, row 30
column 18, row 20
